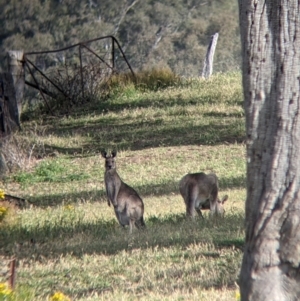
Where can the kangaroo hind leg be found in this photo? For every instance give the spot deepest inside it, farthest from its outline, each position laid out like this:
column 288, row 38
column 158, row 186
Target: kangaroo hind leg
column 199, row 212
column 190, row 206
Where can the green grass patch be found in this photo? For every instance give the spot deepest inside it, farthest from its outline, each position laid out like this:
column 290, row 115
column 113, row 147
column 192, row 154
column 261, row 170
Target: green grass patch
column 51, row 171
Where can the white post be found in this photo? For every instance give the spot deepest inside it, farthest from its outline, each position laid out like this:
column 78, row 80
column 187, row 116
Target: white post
column 15, row 68
column 208, row 63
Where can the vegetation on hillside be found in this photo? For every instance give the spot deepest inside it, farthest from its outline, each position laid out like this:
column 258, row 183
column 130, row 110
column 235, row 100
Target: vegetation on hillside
column 152, row 33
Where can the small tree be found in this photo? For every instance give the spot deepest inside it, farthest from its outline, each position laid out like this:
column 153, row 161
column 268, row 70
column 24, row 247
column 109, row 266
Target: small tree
column 270, row 38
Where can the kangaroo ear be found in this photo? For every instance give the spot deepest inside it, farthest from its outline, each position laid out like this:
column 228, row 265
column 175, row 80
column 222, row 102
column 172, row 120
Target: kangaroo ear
column 103, row 153
column 114, row 153
column 224, row 199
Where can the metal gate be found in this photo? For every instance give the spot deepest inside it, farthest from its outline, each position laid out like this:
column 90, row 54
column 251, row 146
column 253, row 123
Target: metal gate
column 77, row 72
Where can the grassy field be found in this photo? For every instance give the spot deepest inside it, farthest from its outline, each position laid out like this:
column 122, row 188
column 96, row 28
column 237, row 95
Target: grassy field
column 68, row 239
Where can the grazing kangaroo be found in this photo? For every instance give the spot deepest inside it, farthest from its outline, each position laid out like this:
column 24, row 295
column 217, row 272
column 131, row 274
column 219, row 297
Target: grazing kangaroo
column 200, row 191
column 128, row 206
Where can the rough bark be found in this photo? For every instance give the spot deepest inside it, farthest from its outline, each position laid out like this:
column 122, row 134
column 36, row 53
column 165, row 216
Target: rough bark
column 10, row 119
column 271, row 81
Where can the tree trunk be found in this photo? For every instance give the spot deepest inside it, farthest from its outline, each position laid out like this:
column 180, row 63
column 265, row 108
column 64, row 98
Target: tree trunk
column 270, row 38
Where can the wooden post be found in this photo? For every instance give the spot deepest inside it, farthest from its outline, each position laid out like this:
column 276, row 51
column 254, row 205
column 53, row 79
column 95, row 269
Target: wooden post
column 15, row 68
column 3, row 166
column 12, row 85
column 208, row 63
column 12, row 273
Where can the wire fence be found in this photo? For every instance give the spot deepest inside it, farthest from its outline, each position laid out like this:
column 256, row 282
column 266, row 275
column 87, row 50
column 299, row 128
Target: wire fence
column 76, row 72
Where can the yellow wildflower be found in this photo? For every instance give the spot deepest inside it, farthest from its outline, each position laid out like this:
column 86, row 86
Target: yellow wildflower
column 3, row 212
column 237, row 295
column 69, row 207
column 2, row 194
column 59, row 296
column 4, row 290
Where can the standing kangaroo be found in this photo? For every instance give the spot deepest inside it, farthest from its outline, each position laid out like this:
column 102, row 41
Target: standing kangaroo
column 128, row 206
column 200, row 191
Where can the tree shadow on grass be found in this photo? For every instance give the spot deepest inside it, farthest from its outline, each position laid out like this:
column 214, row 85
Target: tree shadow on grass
column 149, row 189
column 62, row 237
column 158, row 103
column 224, row 114
column 148, row 134
column 48, row 242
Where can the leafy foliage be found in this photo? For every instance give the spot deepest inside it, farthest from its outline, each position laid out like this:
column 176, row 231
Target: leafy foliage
column 172, row 34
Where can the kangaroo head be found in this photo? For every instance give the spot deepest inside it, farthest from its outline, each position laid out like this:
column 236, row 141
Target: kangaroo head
column 219, row 209
column 110, row 161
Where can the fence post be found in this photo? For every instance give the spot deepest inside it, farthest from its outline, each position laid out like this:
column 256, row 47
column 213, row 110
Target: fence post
column 15, row 60
column 12, row 273
column 11, row 98
column 208, row 62
column 3, row 166
column 113, row 55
